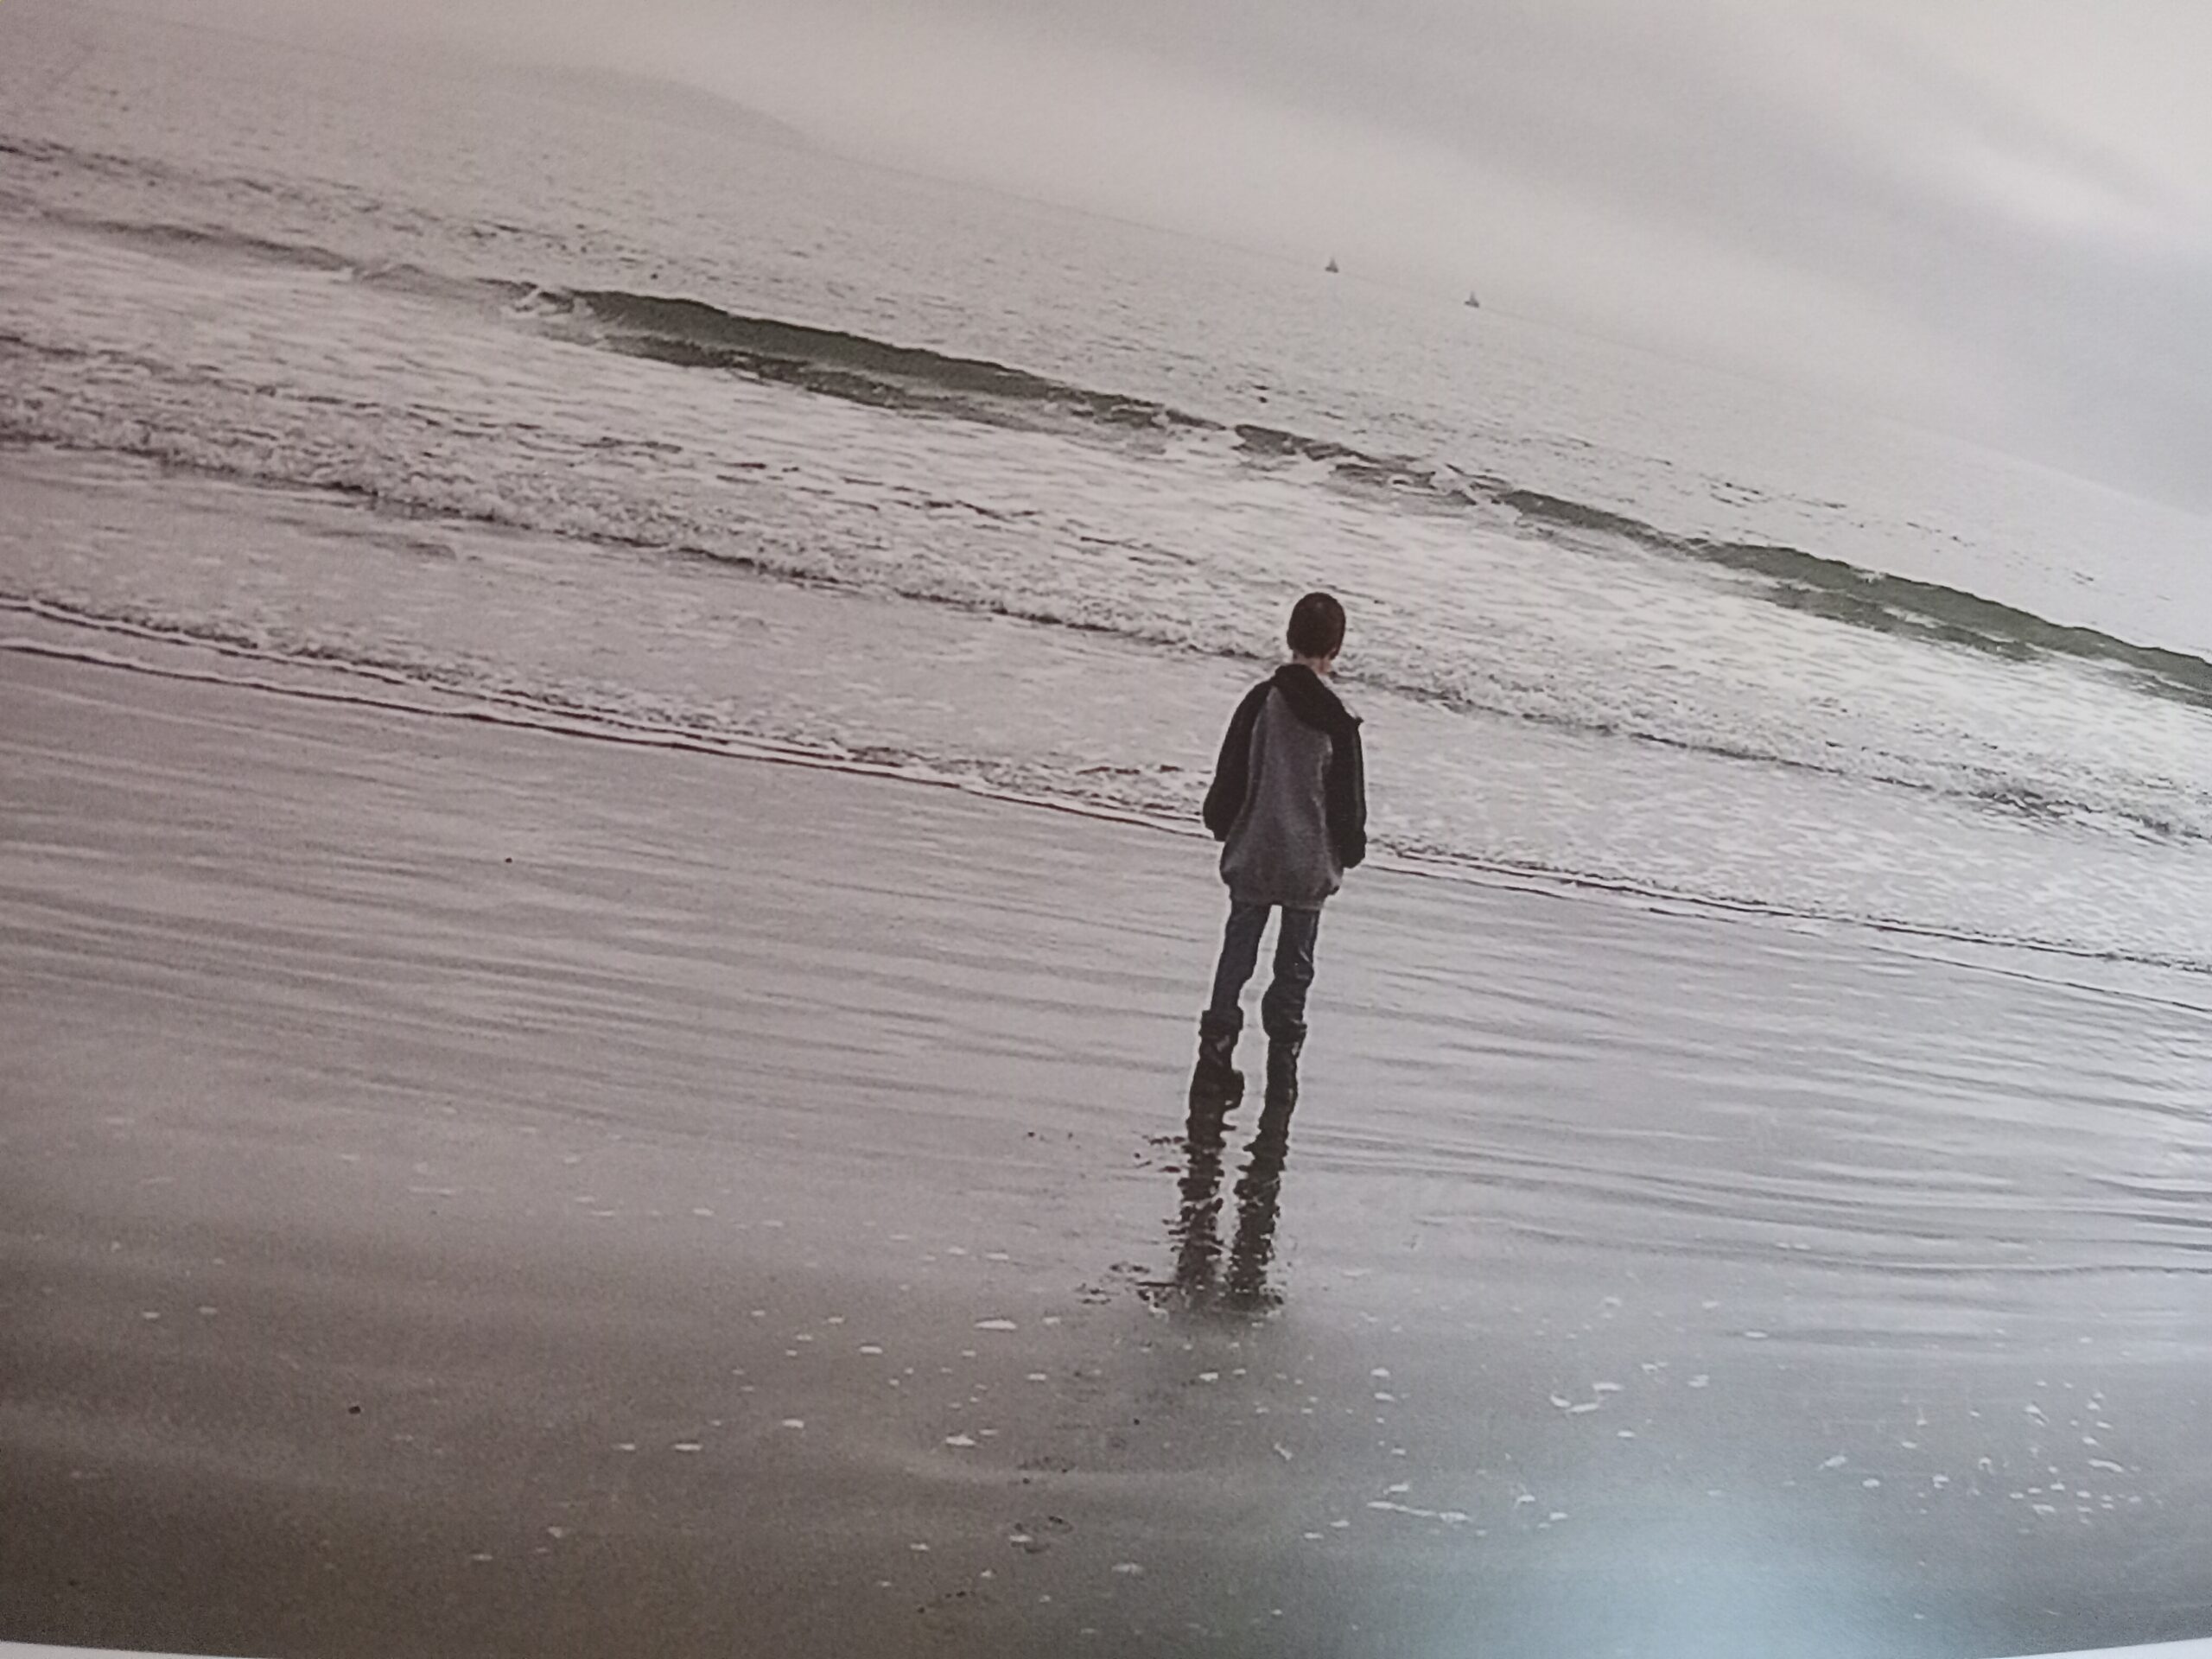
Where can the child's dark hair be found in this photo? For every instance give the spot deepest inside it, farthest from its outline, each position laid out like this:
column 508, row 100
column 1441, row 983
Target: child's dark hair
column 1317, row 626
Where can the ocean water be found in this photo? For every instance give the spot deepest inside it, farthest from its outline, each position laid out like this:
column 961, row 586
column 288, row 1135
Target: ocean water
column 588, row 402
column 376, row 377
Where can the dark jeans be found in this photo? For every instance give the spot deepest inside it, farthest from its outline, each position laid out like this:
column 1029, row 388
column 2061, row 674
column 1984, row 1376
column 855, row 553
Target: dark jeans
column 1282, row 1010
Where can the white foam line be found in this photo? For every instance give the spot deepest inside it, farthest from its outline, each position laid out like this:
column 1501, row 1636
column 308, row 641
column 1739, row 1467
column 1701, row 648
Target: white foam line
column 2199, row 1649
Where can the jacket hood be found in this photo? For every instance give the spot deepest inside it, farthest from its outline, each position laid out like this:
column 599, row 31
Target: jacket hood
column 1308, row 697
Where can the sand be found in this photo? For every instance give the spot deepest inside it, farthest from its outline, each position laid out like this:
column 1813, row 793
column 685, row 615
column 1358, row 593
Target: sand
column 480, row 1191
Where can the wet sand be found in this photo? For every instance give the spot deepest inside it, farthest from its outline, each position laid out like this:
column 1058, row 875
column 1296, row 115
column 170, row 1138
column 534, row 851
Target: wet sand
column 475, row 1190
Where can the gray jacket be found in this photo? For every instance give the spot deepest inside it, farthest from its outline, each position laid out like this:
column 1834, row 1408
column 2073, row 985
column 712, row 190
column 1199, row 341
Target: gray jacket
column 1289, row 794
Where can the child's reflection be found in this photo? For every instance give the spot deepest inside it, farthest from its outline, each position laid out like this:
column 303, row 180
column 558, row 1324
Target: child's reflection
column 1198, row 1275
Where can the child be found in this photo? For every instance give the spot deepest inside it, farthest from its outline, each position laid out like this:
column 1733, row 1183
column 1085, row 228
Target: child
column 1289, row 799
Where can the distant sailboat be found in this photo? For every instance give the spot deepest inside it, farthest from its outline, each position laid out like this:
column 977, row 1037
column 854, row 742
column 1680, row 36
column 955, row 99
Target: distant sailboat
column 1473, row 304
column 1332, row 266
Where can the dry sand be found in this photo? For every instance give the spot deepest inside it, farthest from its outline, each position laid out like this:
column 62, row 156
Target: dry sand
column 479, row 1191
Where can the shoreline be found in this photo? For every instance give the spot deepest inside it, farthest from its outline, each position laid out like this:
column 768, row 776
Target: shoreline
column 417, row 1053
column 523, row 715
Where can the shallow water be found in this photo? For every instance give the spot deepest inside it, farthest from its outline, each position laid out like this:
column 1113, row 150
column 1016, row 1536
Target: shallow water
column 1753, row 1169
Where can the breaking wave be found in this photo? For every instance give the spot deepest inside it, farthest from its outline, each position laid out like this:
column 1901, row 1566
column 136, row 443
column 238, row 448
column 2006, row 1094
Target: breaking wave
column 694, row 334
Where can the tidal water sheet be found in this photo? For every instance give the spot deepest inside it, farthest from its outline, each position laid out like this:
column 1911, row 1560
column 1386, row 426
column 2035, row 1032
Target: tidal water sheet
column 1778, row 999
column 1623, row 621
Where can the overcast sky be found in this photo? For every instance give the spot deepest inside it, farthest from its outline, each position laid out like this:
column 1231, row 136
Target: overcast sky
column 1992, row 215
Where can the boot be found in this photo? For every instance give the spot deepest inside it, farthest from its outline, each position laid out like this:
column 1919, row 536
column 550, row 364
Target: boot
column 1283, row 1069
column 1215, row 1078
